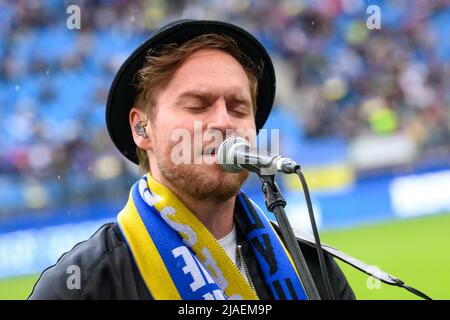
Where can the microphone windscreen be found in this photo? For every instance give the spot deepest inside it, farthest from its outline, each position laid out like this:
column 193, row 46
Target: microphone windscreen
column 225, row 154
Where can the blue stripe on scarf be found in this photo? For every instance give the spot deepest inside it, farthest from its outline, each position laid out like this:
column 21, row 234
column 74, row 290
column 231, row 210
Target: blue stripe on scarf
column 285, row 272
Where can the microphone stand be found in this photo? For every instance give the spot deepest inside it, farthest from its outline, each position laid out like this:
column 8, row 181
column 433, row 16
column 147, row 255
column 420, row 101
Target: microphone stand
column 275, row 203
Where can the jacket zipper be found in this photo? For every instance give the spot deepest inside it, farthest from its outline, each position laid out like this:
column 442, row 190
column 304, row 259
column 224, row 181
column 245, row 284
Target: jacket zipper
column 242, row 262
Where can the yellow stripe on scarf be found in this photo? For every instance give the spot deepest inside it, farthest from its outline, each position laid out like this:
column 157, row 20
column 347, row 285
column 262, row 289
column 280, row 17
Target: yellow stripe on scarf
column 150, row 263
column 223, row 270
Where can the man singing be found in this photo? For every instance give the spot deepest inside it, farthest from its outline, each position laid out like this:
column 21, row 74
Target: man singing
column 187, row 231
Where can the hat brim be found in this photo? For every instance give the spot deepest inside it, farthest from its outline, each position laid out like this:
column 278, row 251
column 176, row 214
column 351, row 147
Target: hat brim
column 123, row 92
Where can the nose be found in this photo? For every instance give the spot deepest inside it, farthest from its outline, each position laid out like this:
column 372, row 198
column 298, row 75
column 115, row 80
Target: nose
column 220, row 119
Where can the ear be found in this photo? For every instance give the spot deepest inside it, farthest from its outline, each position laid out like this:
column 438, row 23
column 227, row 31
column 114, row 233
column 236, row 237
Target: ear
column 135, row 116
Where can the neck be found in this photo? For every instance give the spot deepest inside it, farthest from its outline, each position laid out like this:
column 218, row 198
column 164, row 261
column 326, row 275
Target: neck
column 216, row 215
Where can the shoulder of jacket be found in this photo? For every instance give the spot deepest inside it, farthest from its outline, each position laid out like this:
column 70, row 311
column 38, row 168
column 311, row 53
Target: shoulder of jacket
column 82, row 259
column 103, row 242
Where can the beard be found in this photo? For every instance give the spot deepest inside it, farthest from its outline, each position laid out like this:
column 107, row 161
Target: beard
column 199, row 181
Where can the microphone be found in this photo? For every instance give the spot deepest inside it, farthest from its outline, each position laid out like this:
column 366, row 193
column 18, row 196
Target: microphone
column 235, row 154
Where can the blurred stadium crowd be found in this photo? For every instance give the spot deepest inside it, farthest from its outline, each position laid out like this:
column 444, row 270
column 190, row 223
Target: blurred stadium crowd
column 337, row 80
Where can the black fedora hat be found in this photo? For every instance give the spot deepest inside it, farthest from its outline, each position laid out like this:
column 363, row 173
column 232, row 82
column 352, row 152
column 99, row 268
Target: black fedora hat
column 122, row 94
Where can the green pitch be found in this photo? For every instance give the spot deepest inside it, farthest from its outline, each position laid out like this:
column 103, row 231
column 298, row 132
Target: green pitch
column 414, row 250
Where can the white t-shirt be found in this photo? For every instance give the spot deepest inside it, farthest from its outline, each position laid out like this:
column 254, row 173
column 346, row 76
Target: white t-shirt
column 229, row 244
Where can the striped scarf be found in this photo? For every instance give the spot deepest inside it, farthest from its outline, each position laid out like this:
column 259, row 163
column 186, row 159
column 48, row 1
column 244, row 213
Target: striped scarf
column 178, row 257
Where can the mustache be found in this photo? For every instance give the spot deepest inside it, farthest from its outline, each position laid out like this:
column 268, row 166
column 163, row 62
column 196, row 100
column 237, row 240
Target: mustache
column 208, row 150
column 190, row 148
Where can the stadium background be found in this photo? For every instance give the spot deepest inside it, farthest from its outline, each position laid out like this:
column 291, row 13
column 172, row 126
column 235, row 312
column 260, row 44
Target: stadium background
column 366, row 112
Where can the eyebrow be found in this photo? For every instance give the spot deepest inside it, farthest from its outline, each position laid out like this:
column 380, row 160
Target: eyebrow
column 202, row 95
column 195, row 94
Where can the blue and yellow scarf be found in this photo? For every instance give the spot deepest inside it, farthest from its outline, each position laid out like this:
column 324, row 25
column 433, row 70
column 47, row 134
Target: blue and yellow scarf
column 178, row 257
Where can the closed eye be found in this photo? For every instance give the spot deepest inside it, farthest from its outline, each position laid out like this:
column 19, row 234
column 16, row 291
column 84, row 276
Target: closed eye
column 240, row 107
column 194, row 105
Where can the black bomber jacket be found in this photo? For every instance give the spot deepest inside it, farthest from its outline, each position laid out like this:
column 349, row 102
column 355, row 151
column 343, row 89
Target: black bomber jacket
column 107, row 271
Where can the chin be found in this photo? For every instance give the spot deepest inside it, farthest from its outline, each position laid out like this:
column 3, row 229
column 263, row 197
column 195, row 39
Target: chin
column 203, row 181
column 211, row 182
column 211, row 175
